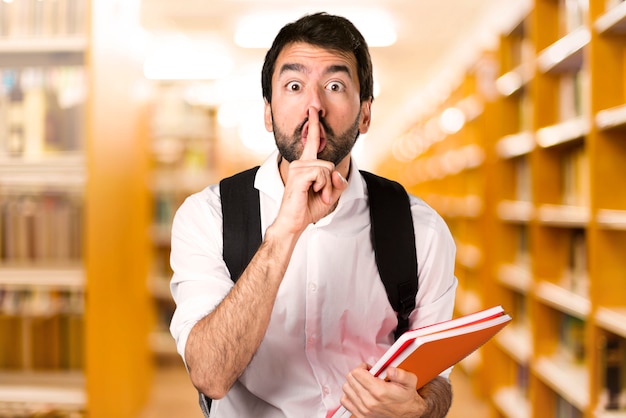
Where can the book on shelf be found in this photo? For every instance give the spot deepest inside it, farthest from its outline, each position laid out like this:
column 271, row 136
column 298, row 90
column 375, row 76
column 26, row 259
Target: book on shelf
column 614, row 373
column 42, row 18
column 41, row 110
column 576, row 275
column 41, row 227
column 430, row 350
column 572, row 338
column 575, row 187
column 573, row 94
column 523, row 184
column 46, row 329
column 564, row 409
column 573, row 14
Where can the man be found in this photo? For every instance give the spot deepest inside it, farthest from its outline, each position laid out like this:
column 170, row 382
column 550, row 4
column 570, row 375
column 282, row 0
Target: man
column 287, row 338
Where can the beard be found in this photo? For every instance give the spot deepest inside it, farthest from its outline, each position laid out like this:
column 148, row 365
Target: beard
column 336, row 149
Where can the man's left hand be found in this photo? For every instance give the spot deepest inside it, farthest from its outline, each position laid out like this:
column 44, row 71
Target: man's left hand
column 369, row 396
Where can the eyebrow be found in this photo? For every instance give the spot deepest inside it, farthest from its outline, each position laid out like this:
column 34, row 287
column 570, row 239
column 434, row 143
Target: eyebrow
column 336, row 68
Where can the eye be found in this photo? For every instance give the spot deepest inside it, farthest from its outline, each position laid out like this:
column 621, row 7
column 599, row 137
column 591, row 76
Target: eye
column 294, row 86
column 335, row 86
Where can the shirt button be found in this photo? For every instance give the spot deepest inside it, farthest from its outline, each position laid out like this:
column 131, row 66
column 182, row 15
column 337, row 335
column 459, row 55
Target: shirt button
column 312, row 287
column 326, row 390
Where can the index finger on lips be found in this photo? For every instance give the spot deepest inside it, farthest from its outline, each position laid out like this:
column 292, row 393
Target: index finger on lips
column 312, row 144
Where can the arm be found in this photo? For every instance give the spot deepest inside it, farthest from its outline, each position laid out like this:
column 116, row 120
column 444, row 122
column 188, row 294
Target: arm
column 369, row 396
column 438, row 396
column 221, row 345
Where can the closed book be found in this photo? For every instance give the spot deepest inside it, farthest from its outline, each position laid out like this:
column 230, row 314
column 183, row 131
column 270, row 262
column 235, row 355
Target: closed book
column 430, row 350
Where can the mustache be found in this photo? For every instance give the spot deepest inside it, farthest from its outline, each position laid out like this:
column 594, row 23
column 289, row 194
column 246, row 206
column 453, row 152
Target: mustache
column 327, row 129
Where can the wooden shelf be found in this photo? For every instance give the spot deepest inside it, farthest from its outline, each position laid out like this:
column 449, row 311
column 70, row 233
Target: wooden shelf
column 614, row 117
column 516, row 211
column 563, row 300
column 611, row 219
column 563, row 133
column 517, row 342
column 468, row 302
column 53, row 278
column 511, row 403
column 568, row 380
column 613, row 21
column 515, row 145
column 64, row 170
column 612, row 319
column 515, row 277
column 160, row 288
column 40, row 391
column 468, row 256
column 564, row 216
column 566, row 54
column 515, row 80
column 55, row 45
column 609, row 414
column 162, row 344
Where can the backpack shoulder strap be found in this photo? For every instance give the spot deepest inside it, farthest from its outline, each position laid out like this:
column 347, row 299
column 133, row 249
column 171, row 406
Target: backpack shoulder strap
column 393, row 239
column 392, row 233
column 241, row 220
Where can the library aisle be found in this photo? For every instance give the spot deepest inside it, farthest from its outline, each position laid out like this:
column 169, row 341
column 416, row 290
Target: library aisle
column 173, row 396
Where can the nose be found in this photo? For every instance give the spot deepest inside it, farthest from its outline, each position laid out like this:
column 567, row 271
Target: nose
column 316, row 100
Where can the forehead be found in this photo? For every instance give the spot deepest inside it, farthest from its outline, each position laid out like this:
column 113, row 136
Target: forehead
column 314, row 57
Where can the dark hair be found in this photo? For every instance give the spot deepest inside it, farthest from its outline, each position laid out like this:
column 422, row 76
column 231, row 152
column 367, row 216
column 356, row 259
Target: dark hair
column 326, row 31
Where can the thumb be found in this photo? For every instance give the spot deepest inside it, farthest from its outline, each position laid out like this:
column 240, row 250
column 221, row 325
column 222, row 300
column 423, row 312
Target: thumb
column 401, row 377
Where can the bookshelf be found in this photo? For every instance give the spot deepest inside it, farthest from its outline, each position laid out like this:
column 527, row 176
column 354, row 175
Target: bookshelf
column 553, row 217
column 74, row 308
column 183, row 142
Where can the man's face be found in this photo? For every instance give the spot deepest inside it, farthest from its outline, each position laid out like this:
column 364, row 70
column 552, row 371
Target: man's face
column 309, row 76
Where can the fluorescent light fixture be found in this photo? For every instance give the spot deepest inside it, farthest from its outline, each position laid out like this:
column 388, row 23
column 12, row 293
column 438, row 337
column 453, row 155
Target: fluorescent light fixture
column 181, row 58
column 258, row 30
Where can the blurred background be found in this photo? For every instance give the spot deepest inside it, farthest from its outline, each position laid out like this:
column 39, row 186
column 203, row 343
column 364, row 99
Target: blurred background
column 507, row 117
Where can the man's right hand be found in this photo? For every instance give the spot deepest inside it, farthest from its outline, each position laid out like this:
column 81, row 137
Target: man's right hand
column 312, row 187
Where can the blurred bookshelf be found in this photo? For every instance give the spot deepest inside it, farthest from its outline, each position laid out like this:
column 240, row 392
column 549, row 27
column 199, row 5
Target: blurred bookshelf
column 59, row 195
column 547, row 242
column 183, row 141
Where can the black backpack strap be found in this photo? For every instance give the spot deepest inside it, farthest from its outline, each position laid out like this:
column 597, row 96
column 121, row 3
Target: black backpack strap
column 241, row 220
column 393, row 239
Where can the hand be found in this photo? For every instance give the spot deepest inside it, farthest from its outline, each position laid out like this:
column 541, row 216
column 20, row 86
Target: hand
column 369, row 396
column 313, row 186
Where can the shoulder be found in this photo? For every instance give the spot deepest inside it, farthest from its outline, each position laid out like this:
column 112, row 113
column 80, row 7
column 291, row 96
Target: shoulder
column 424, row 214
column 199, row 207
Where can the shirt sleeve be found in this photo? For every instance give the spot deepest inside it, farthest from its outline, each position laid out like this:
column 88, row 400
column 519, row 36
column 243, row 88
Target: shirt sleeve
column 201, row 279
column 436, row 253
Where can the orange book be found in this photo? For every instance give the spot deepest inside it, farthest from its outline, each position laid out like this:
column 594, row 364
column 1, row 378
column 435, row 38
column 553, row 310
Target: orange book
column 430, row 350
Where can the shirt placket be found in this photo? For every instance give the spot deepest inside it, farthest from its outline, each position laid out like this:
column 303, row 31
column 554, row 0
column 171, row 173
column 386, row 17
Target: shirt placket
column 313, row 314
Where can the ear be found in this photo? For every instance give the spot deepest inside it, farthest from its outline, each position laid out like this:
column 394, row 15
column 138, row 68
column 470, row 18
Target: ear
column 268, row 117
column 366, row 116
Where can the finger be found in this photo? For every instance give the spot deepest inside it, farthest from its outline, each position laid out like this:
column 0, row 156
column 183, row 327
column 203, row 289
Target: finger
column 312, row 144
column 330, row 195
column 402, row 377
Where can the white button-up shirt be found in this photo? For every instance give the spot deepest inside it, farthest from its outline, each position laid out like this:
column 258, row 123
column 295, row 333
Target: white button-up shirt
column 331, row 311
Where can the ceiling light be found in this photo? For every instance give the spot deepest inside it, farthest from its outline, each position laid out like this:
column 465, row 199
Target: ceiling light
column 452, row 120
column 180, row 58
column 258, row 30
